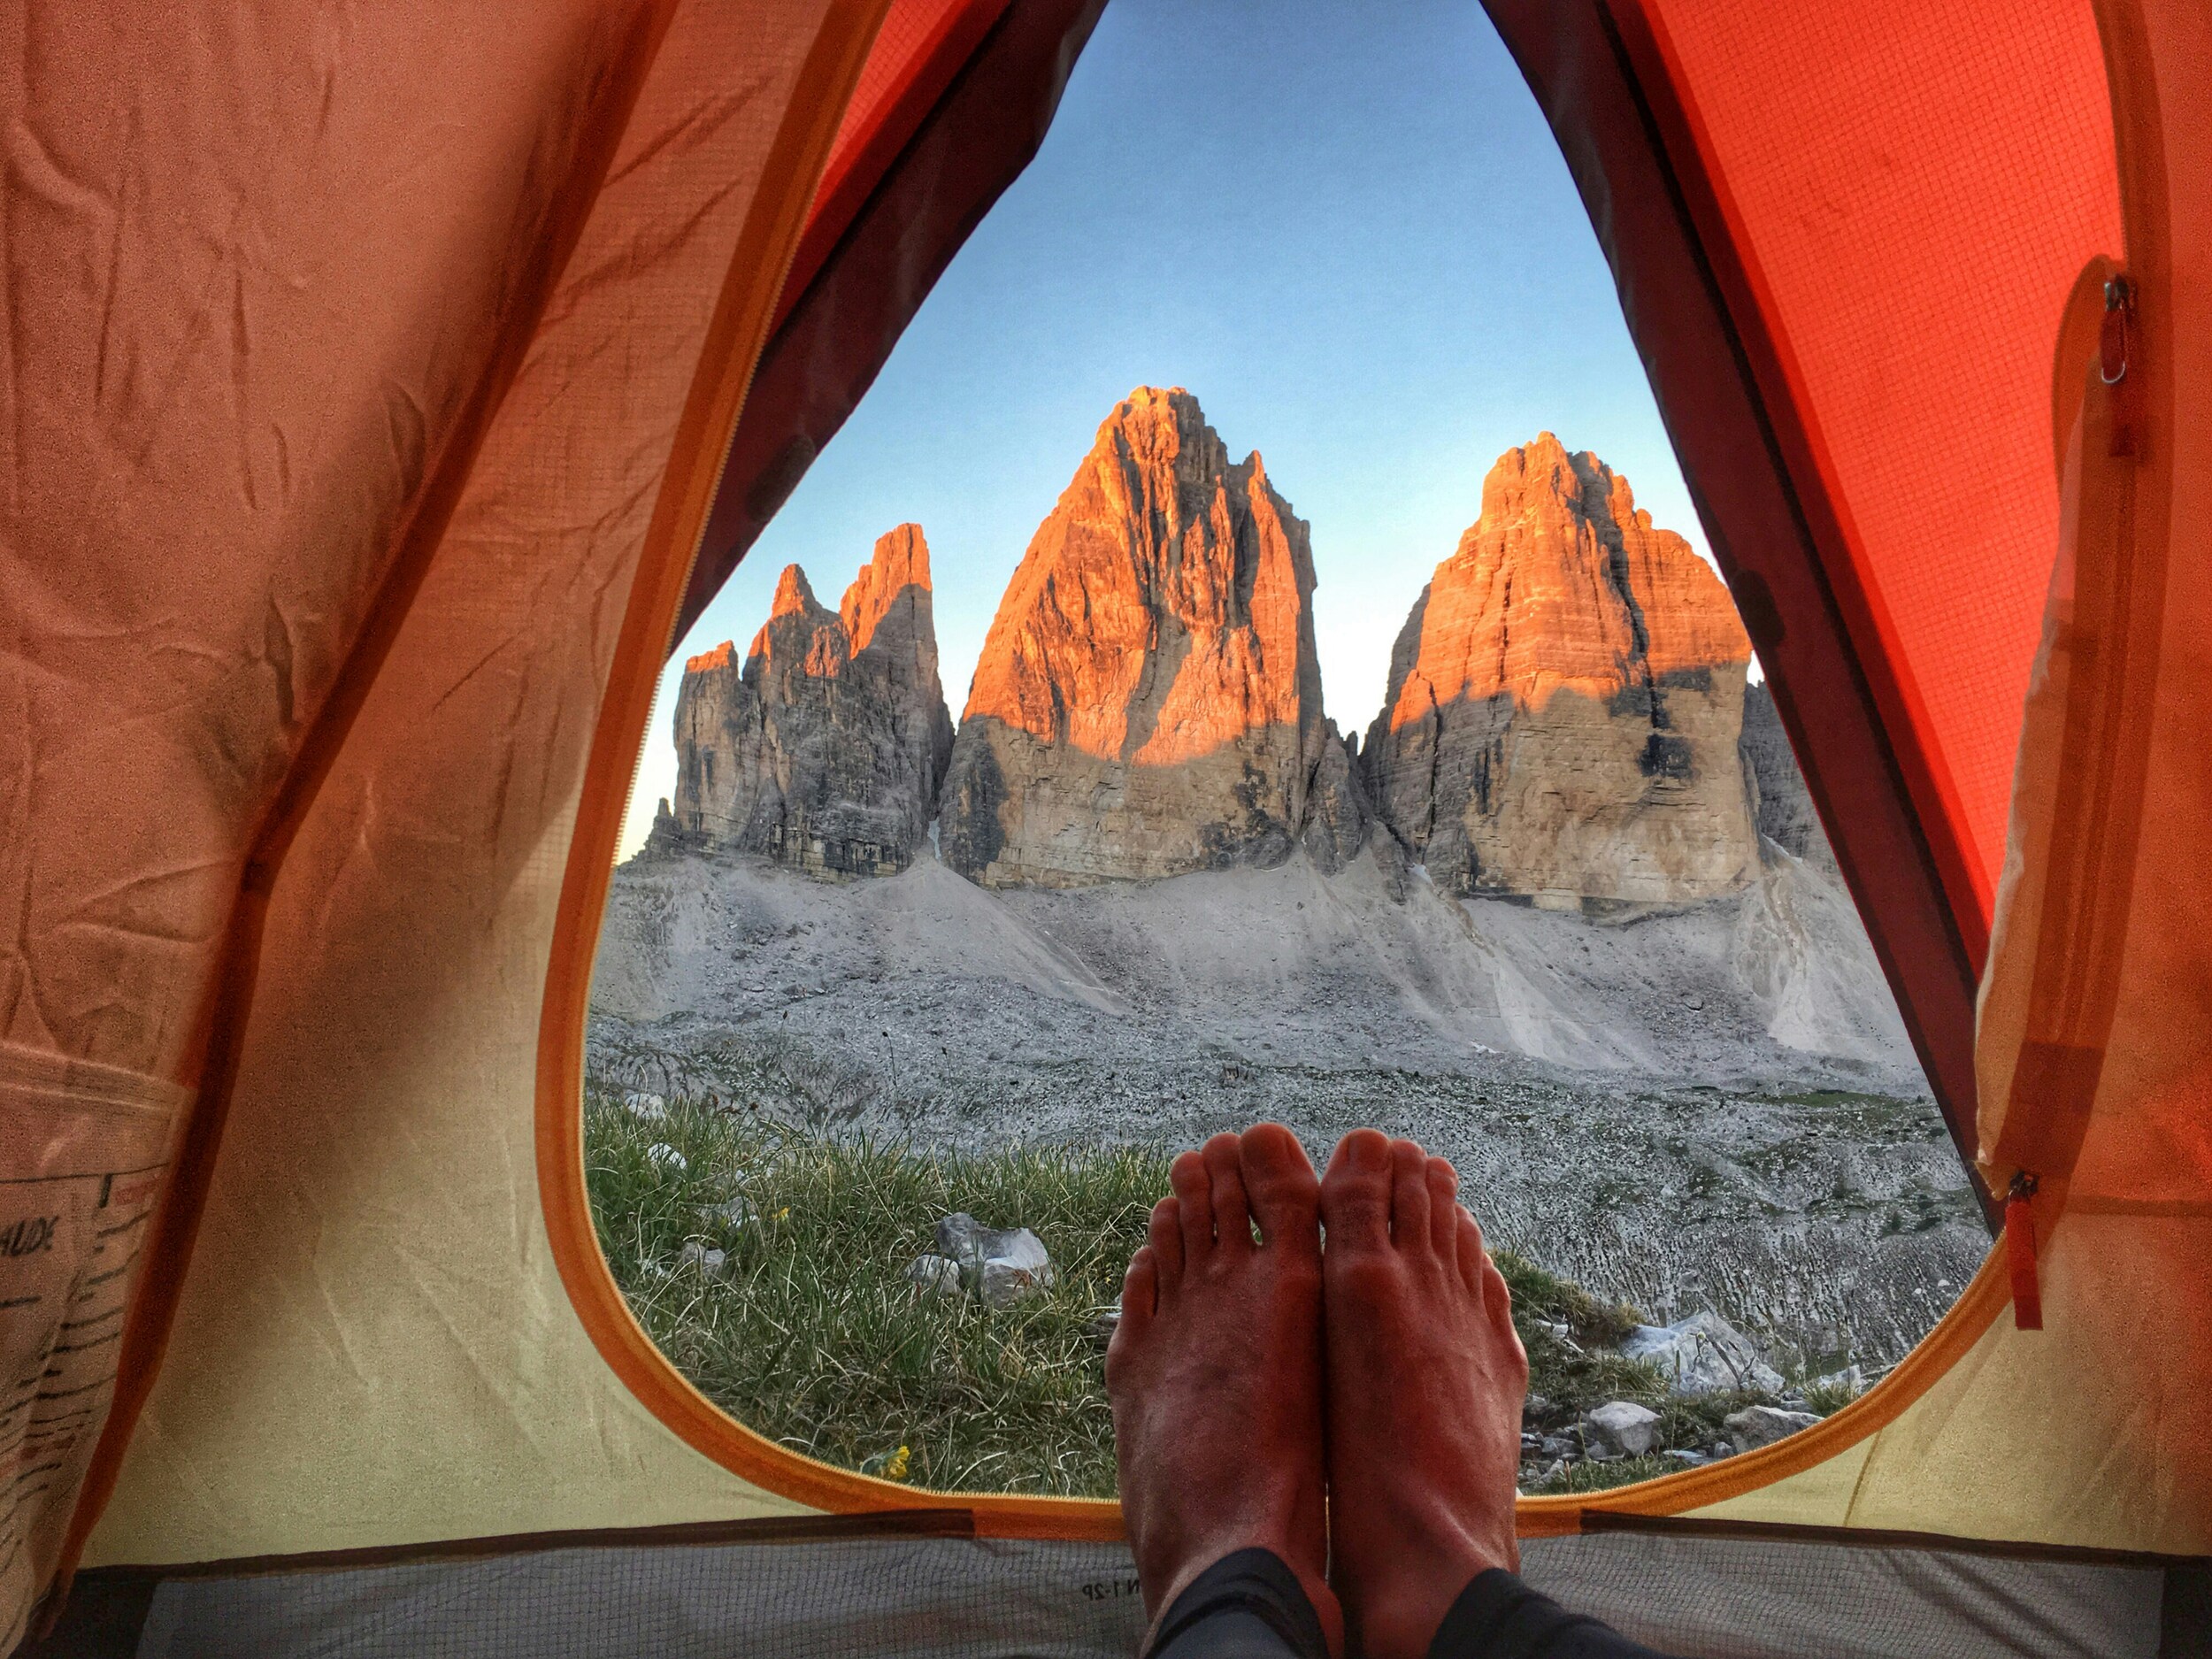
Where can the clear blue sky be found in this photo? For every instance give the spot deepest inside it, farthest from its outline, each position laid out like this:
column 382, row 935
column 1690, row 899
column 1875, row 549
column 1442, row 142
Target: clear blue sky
column 1344, row 226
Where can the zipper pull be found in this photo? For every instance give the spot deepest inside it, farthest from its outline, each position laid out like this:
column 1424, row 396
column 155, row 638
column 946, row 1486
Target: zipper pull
column 2027, row 1292
column 2115, row 341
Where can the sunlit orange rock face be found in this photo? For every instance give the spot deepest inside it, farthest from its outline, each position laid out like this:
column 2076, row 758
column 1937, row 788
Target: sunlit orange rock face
column 1149, row 699
column 1565, row 701
column 825, row 750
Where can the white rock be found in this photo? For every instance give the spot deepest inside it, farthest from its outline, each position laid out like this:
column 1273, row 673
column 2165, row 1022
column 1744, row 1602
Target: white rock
column 1755, row 1426
column 1701, row 1355
column 707, row 1260
column 1851, row 1377
column 667, row 1157
column 1006, row 1281
column 934, row 1276
column 1000, row 1266
column 1623, row 1427
column 651, row 1107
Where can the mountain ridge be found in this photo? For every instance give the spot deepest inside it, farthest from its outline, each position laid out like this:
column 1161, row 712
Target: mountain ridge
column 1565, row 723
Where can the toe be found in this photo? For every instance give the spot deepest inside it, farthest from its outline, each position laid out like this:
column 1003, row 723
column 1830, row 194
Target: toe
column 1497, row 1306
column 1467, row 1246
column 1356, row 1192
column 1443, row 1209
column 1280, row 1182
column 1194, row 1193
column 1232, row 1215
column 1140, row 1301
column 1409, row 1197
column 1165, row 1232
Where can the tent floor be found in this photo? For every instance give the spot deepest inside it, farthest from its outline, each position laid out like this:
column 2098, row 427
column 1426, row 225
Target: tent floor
column 920, row 1586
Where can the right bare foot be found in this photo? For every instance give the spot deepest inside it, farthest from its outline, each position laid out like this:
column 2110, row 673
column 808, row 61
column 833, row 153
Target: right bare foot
column 1214, row 1372
column 1425, row 1383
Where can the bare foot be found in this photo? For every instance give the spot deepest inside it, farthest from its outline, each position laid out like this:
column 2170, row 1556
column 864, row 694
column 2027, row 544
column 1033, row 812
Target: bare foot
column 1426, row 1380
column 1214, row 1373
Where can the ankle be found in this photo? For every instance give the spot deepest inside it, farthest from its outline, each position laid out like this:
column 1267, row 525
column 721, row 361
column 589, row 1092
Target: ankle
column 1402, row 1601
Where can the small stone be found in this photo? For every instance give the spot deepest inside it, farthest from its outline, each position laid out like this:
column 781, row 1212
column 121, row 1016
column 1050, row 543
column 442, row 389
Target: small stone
column 651, row 1107
column 1622, row 1426
column 1682, row 1454
column 1559, row 1446
column 1006, row 1282
column 1105, row 1324
column 934, row 1276
column 1557, row 1468
column 667, row 1157
column 1534, row 1406
column 707, row 1260
column 1755, row 1426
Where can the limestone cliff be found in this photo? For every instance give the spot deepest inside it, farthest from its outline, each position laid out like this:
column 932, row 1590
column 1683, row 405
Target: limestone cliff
column 1149, row 699
column 1564, row 702
column 825, row 750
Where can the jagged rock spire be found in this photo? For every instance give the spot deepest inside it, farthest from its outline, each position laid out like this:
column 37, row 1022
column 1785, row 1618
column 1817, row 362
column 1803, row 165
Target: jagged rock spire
column 826, row 749
column 1564, row 702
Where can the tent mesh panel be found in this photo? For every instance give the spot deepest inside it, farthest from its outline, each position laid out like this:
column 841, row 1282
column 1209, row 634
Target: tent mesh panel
column 924, row 1598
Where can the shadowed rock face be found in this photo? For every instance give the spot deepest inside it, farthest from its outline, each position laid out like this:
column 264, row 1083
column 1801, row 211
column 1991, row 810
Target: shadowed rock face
column 826, row 750
column 1784, row 806
column 1148, row 700
column 1564, row 702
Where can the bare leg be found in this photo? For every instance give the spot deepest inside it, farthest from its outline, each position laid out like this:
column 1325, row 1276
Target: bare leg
column 1214, row 1373
column 1426, row 1382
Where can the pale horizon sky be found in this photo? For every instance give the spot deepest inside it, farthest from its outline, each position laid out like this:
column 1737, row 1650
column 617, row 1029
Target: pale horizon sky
column 1346, row 230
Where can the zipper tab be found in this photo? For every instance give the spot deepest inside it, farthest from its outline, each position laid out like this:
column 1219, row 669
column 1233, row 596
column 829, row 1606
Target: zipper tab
column 2027, row 1292
column 2114, row 342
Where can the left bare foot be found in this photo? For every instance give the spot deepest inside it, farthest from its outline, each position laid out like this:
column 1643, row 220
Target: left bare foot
column 1426, row 1379
column 1214, row 1372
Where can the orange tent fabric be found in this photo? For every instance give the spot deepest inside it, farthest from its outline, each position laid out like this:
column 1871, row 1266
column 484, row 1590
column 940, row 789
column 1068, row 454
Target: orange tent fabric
column 369, row 394
column 327, row 317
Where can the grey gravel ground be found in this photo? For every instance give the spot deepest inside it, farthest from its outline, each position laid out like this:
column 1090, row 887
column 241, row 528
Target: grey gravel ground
column 1713, row 1108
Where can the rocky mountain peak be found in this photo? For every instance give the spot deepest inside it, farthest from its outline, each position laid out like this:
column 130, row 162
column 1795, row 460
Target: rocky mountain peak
column 1565, row 699
column 795, row 594
column 826, row 750
column 1148, row 697
column 900, row 562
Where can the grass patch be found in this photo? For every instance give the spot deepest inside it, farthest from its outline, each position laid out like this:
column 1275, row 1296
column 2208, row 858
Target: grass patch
column 1593, row 1477
column 812, row 1335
